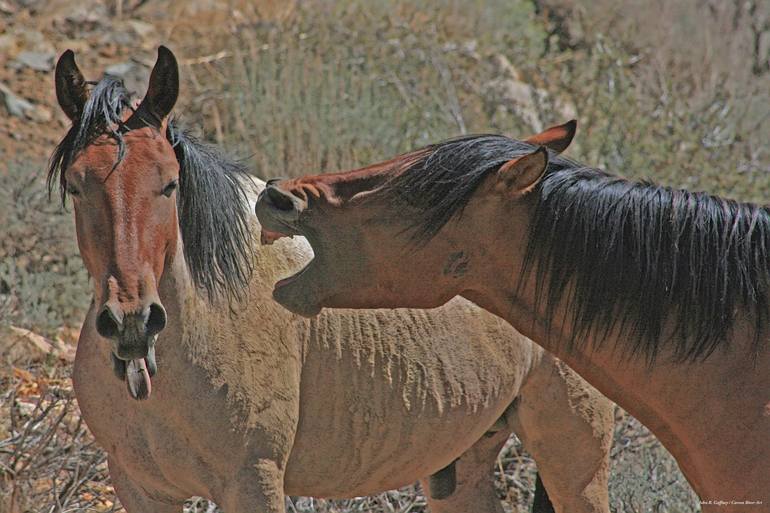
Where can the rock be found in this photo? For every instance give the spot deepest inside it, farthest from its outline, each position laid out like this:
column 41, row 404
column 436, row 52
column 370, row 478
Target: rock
column 39, row 61
column 511, row 94
column 87, row 15
column 518, row 98
column 566, row 109
column 119, row 38
column 39, row 114
column 29, row 4
column 470, row 49
column 121, row 69
column 141, row 28
column 27, row 39
column 21, row 108
column 25, row 409
column 15, row 105
column 7, row 7
column 504, row 68
column 35, row 40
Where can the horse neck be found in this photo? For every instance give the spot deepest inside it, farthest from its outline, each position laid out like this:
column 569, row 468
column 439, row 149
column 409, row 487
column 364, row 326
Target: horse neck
column 188, row 310
column 598, row 364
column 677, row 401
column 199, row 317
column 602, row 357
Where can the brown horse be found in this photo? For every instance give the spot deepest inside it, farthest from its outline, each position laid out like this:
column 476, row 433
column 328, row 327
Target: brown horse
column 243, row 401
column 658, row 297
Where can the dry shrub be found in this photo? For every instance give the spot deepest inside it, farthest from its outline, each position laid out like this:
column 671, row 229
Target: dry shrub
column 50, row 462
column 341, row 84
column 43, row 284
column 675, row 91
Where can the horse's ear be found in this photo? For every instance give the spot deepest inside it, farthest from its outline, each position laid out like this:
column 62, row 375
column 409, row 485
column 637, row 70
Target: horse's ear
column 556, row 138
column 522, row 174
column 71, row 90
column 162, row 92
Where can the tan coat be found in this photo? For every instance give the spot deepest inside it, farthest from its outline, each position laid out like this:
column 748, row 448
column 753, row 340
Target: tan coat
column 255, row 403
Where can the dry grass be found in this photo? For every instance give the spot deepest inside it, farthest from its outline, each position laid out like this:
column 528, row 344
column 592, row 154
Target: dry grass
column 675, row 91
column 50, row 462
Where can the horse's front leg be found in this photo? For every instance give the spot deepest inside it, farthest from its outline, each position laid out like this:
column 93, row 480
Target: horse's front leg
column 134, row 499
column 256, row 488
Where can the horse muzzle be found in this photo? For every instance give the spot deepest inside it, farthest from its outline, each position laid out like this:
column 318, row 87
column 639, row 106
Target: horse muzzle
column 133, row 337
column 112, row 323
column 278, row 213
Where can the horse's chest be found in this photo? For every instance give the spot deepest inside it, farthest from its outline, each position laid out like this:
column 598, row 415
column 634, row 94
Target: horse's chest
column 144, row 437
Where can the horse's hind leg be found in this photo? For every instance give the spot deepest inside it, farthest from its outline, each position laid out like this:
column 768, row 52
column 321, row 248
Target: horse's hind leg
column 475, row 490
column 566, row 425
column 133, row 498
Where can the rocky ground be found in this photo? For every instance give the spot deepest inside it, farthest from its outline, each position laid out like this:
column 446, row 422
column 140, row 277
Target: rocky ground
column 35, row 32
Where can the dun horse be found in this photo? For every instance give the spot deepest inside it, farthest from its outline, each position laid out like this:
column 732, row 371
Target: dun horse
column 658, row 297
column 245, row 402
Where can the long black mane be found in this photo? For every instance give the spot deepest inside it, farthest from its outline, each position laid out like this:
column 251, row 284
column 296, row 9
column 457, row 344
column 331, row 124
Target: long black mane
column 212, row 205
column 664, row 266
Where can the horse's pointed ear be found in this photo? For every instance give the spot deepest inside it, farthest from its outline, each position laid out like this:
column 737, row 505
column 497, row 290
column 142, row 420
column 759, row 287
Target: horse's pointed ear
column 520, row 175
column 162, row 92
column 71, row 90
column 556, row 138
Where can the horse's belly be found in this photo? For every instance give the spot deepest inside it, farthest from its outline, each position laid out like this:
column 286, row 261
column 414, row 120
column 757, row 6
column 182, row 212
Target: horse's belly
column 373, row 421
column 379, row 457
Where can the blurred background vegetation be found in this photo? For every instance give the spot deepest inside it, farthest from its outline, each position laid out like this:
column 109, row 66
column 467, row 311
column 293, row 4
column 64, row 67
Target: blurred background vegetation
column 677, row 91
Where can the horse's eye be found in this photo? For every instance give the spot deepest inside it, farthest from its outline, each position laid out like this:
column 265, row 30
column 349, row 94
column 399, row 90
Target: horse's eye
column 72, row 190
column 169, row 189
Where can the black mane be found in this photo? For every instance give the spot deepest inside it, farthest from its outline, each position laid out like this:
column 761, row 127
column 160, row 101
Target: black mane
column 439, row 184
column 213, row 210
column 101, row 114
column 638, row 256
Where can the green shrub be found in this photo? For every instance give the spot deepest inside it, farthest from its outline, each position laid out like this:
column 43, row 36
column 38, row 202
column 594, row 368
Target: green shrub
column 343, row 84
column 43, row 284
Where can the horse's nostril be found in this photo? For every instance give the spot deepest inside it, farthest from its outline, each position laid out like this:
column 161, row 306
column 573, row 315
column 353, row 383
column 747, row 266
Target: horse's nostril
column 107, row 323
column 280, row 199
column 156, row 319
column 272, row 181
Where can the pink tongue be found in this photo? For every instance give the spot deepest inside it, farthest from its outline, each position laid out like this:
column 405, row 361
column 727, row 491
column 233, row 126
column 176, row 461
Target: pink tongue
column 138, row 379
column 267, row 237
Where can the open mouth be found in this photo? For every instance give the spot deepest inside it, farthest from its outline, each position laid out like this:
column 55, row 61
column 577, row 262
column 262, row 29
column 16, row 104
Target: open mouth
column 268, row 237
column 137, row 373
column 291, row 279
column 296, row 295
column 292, row 292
